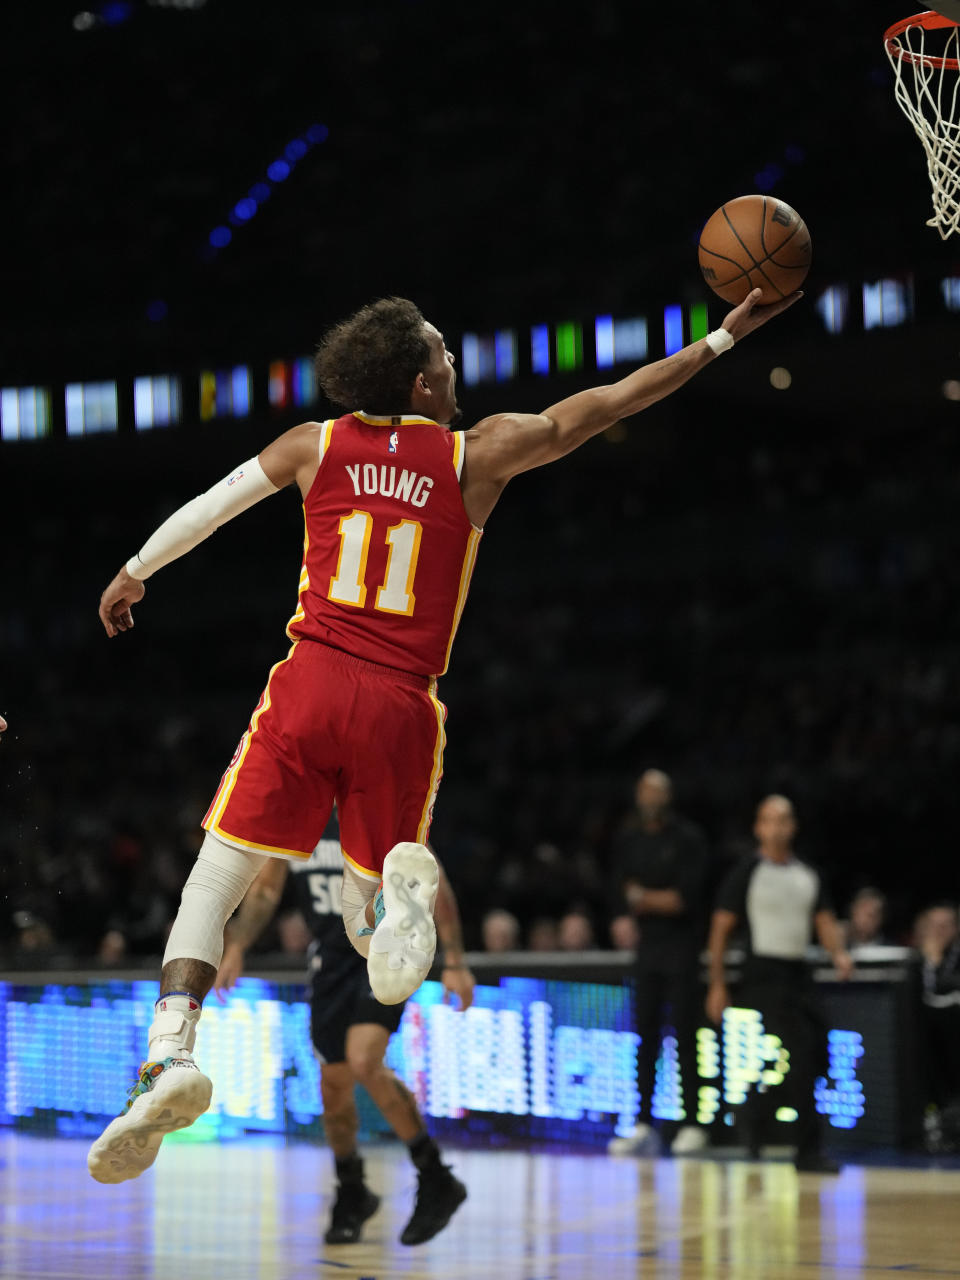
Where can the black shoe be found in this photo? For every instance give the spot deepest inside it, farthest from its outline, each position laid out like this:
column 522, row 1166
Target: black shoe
column 814, row 1162
column 751, row 1140
column 439, row 1196
column 355, row 1203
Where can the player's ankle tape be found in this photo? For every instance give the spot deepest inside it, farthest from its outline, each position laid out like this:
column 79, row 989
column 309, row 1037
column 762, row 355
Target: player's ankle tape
column 719, row 341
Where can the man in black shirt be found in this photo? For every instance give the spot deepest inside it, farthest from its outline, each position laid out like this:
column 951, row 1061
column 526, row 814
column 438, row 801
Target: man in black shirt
column 660, row 874
column 350, row 1031
column 937, row 938
column 780, row 900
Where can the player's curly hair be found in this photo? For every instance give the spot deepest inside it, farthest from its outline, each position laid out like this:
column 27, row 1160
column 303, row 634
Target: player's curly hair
column 370, row 360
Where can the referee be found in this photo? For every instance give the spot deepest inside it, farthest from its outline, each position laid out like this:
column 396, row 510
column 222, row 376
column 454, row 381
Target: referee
column 781, row 900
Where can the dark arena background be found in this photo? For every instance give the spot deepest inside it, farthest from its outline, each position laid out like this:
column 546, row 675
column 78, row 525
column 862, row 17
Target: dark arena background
column 753, row 586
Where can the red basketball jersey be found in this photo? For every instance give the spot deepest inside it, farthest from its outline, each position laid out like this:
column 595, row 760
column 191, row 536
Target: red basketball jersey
column 388, row 550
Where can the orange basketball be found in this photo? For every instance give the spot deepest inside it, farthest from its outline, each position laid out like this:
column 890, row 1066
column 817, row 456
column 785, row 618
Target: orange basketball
column 755, row 242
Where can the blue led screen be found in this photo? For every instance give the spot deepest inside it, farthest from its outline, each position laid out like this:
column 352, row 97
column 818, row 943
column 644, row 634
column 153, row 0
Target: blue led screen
column 534, row 1058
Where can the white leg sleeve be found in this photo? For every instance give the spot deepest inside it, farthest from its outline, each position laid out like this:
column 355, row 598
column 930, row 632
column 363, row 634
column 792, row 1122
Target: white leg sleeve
column 356, row 892
column 220, row 877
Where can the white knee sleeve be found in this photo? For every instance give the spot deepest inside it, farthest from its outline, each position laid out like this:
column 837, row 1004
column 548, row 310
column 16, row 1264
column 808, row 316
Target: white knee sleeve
column 220, row 877
column 355, row 893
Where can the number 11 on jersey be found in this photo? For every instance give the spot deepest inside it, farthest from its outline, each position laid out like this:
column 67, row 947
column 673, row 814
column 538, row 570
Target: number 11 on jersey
column 395, row 594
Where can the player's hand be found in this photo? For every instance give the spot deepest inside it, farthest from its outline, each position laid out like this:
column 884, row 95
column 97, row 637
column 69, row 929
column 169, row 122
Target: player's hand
column 458, row 982
column 750, row 315
column 3, row 724
column 843, row 965
column 116, row 601
column 718, row 999
column 231, row 967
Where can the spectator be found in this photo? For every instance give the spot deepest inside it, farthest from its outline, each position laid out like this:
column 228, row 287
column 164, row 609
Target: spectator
column 937, row 938
column 542, row 935
column 659, row 874
column 112, row 949
column 501, row 931
column 779, row 898
column 293, row 933
column 868, row 909
column 624, row 934
column 34, row 935
column 575, row 931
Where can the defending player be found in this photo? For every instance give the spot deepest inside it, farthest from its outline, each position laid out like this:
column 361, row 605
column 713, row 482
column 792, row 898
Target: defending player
column 394, row 505
column 350, row 1031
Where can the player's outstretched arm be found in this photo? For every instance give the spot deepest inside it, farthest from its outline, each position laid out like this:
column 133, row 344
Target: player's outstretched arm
column 457, row 978
column 502, row 446
column 291, row 458
column 116, row 603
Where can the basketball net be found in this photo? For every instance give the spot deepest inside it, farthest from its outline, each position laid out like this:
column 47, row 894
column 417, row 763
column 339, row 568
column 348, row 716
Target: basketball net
column 924, row 52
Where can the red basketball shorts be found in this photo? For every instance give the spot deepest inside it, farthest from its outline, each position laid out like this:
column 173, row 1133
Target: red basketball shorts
column 330, row 727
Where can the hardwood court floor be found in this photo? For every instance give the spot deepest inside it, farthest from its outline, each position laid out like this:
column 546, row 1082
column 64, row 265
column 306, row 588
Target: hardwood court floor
column 255, row 1209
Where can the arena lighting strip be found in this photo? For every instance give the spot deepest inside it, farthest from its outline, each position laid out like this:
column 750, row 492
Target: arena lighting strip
column 152, row 401
column 277, row 171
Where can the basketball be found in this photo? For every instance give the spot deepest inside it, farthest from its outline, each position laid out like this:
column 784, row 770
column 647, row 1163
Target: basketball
column 754, row 242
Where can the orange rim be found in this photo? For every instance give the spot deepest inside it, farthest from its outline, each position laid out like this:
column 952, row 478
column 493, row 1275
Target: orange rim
column 930, row 20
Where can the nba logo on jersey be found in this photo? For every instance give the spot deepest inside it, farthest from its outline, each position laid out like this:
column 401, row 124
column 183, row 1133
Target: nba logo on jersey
column 394, row 442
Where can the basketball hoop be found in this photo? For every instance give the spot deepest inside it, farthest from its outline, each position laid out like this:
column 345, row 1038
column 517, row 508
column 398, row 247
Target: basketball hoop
column 924, row 52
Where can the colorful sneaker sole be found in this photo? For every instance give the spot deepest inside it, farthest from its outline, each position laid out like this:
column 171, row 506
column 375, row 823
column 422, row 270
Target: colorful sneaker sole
column 129, row 1144
column 405, row 940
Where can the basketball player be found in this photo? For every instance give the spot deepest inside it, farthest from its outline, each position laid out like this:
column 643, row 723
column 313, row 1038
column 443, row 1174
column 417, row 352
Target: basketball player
column 394, row 505
column 350, row 1031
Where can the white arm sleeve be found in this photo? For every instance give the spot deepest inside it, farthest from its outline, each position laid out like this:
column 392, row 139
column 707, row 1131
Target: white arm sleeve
column 241, row 489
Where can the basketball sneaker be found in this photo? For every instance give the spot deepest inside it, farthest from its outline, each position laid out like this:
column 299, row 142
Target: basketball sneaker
column 168, row 1095
column 404, row 936
column 355, row 1203
column 690, row 1138
column 643, row 1140
column 439, row 1196
column 815, row 1162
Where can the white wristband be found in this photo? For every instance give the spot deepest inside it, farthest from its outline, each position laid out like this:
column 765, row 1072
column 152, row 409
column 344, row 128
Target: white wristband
column 236, row 492
column 719, row 340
